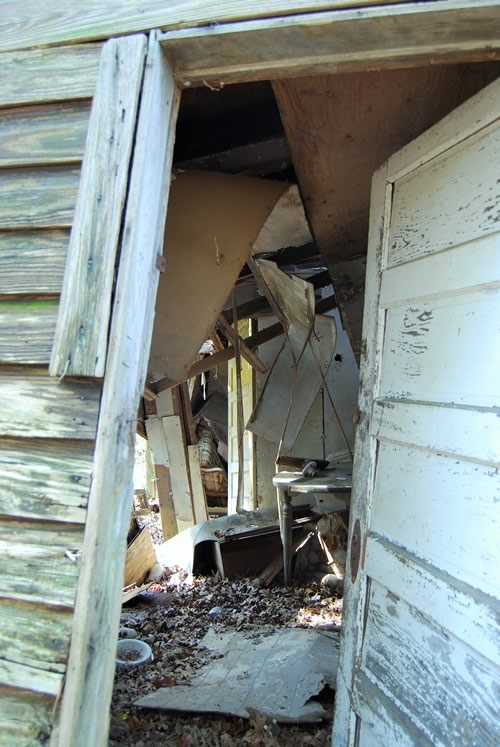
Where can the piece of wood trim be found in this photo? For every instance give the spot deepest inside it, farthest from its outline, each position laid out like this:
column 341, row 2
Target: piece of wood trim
column 35, row 405
column 355, row 592
column 139, row 560
column 44, row 134
column 89, row 679
column 409, row 34
column 83, row 322
column 32, row 24
column 32, row 262
column 44, row 75
column 179, row 472
column 167, row 511
column 246, row 352
column 197, row 487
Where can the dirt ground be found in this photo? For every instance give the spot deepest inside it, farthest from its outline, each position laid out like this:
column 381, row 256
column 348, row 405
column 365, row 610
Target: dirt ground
column 173, row 619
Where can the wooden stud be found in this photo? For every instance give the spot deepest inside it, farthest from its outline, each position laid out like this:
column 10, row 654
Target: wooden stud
column 246, row 353
column 167, row 510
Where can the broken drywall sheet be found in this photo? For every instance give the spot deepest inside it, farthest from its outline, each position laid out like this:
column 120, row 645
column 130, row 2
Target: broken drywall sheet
column 213, row 220
column 298, row 370
column 274, row 672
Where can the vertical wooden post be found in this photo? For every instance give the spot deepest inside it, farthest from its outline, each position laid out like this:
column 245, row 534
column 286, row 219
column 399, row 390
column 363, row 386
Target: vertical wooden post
column 167, row 510
column 89, row 680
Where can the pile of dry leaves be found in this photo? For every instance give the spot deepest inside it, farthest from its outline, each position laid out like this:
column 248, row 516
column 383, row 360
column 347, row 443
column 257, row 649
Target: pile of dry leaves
column 173, row 621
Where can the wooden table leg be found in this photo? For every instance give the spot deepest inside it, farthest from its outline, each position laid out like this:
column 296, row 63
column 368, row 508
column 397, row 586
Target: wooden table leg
column 286, row 536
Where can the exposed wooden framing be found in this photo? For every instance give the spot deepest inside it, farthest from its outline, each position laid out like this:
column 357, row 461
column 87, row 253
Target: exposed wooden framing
column 248, row 309
column 167, row 511
column 41, row 75
column 246, row 353
column 179, row 471
column 83, row 320
column 252, row 342
column 182, row 407
column 89, row 679
column 258, row 158
column 338, row 41
column 197, row 488
column 32, row 262
column 32, row 25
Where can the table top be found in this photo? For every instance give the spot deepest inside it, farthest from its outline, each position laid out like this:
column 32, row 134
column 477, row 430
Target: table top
column 334, row 480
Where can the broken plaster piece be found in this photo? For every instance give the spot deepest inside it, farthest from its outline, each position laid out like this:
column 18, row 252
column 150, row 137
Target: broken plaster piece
column 274, row 671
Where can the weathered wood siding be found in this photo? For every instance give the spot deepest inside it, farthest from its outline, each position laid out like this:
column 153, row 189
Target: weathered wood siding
column 47, row 427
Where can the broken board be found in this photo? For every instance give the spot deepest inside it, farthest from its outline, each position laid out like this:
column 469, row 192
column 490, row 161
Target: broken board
column 272, row 671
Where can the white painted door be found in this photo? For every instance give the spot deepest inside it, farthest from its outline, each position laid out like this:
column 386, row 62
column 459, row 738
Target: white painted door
column 421, row 648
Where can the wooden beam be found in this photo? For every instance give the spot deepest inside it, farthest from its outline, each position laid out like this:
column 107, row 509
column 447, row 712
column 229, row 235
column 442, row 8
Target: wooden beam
column 249, row 309
column 259, row 158
column 89, row 679
column 252, row 342
column 403, row 35
column 246, row 352
column 32, row 23
column 83, row 322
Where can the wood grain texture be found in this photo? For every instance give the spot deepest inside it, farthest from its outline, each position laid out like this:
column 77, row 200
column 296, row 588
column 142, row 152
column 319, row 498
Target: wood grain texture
column 25, row 718
column 451, row 604
column 364, row 464
column 35, row 636
column 49, row 134
column 32, row 262
column 45, row 480
column 43, row 75
column 33, row 565
column 32, row 25
column 89, row 679
column 83, row 321
column 35, row 405
column 340, row 129
column 30, row 678
column 27, row 330
column 449, row 691
column 139, row 560
column 336, row 42
column 179, row 471
column 38, row 198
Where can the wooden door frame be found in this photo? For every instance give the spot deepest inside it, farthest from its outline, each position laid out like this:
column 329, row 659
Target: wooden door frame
column 312, row 43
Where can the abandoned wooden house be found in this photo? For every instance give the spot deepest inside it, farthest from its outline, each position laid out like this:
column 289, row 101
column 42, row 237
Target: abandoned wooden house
column 187, row 174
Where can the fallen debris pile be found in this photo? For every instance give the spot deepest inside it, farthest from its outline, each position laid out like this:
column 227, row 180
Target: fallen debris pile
column 174, row 620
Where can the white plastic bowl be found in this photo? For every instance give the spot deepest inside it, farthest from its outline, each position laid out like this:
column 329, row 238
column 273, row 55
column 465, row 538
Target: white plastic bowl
column 140, row 648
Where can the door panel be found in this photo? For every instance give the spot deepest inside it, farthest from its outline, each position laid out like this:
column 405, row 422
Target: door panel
column 420, row 661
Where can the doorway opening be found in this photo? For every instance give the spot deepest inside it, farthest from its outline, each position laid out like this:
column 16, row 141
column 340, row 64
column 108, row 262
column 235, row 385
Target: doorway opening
column 271, row 197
